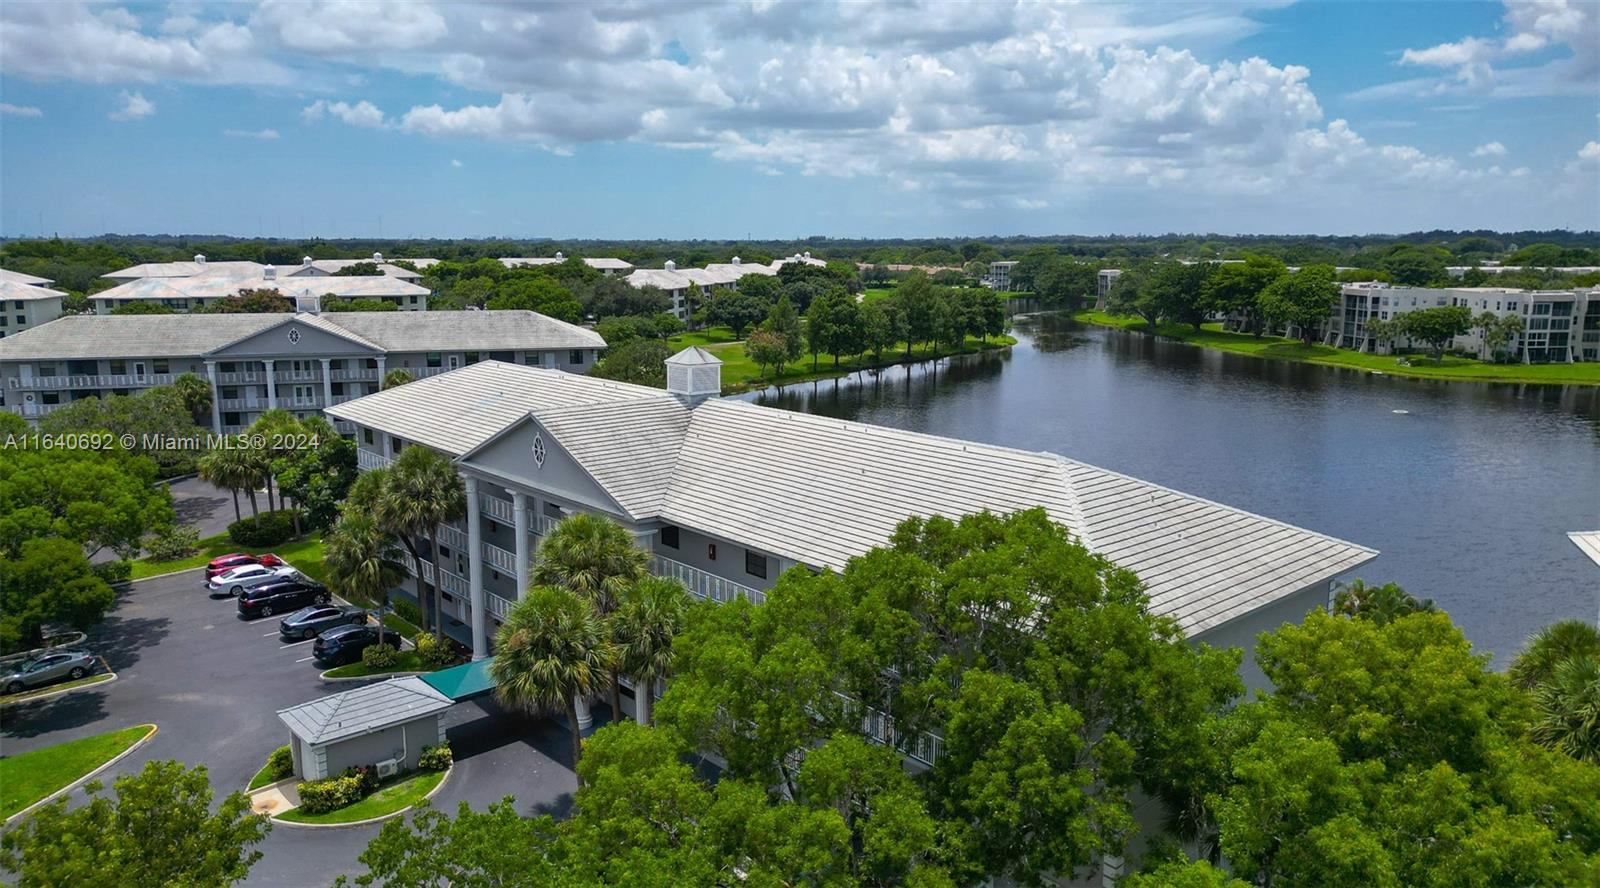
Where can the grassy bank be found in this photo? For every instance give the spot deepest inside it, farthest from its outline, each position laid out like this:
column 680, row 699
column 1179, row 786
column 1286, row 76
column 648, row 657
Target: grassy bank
column 405, row 661
column 739, row 373
column 1421, row 366
column 404, row 793
column 305, row 555
column 31, row 776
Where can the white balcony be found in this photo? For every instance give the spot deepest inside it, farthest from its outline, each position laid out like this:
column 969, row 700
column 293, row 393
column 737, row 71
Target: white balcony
column 92, row 381
column 236, row 377
column 500, row 559
column 499, row 509
column 702, row 584
column 367, row 459
column 363, row 374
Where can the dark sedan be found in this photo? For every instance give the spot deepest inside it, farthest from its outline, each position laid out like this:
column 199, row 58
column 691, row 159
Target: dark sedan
column 309, row 622
column 281, row 597
column 344, row 644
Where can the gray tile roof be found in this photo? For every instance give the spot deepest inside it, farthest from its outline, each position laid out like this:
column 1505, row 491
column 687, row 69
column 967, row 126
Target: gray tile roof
column 475, row 330
column 17, row 277
column 821, row 491
column 120, row 336
column 364, row 710
column 20, row 291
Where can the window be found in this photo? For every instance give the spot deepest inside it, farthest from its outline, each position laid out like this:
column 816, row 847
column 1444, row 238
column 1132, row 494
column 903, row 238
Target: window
column 338, row 389
column 372, row 363
column 472, row 357
column 366, row 436
column 231, row 419
column 669, row 537
column 755, row 564
column 52, row 397
column 435, row 359
column 47, row 370
column 162, row 366
column 552, row 510
column 575, row 356
column 394, row 446
column 119, row 367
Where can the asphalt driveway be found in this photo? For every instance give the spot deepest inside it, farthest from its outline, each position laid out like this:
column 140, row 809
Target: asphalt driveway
column 213, row 684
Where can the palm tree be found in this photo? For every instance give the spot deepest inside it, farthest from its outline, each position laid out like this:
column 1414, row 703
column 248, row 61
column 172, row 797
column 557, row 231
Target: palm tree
column 397, row 377
column 551, row 649
column 369, row 495
column 195, row 394
column 216, row 468
column 650, row 616
column 363, row 559
column 274, row 427
column 592, row 557
column 1567, row 709
column 1548, row 647
column 423, row 492
column 235, row 468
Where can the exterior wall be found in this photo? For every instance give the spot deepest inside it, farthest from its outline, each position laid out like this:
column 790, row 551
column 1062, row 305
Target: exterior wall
column 403, row 742
column 1242, row 632
column 1559, row 325
column 17, row 315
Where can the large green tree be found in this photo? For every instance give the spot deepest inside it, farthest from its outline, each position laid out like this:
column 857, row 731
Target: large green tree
column 317, row 475
column 98, row 499
column 1435, row 326
column 48, row 580
column 1304, row 299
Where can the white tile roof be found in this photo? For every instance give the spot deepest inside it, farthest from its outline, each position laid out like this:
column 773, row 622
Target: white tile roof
column 364, row 710
column 187, row 269
column 321, row 267
column 599, row 263
column 20, row 291
column 182, row 335
column 1589, row 542
column 216, row 286
column 660, row 277
column 17, row 277
column 821, row 490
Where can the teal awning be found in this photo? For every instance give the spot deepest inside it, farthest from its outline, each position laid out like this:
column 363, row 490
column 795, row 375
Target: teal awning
column 464, row 681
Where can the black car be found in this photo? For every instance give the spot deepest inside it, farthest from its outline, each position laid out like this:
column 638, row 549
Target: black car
column 344, row 644
column 281, row 597
column 309, row 622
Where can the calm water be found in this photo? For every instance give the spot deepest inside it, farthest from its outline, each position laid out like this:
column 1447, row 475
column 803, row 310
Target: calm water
column 1469, row 495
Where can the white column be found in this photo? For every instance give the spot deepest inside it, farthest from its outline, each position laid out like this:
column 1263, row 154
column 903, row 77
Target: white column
column 327, row 383
column 380, row 370
column 585, row 719
column 216, row 395
column 519, row 507
column 480, row 619
column 272, row 385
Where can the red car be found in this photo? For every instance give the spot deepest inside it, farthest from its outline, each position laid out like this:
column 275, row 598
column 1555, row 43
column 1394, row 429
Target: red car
column 225, row 563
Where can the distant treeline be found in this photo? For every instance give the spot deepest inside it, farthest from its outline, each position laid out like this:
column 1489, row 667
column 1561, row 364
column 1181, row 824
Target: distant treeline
column 77, row 264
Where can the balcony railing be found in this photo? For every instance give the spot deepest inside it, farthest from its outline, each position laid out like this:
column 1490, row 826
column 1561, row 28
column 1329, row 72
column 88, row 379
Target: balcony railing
column 363, row 374
column 88, row 381
column 500, row 559
column 234, row 377
column 702, row 584
column 499, row 510
column 367, row 459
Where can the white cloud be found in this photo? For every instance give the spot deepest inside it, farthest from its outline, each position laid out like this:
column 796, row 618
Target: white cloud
column 362, row 113
column 345, row 25
column 1489, row 149
column 265, row 135
column 11, row 110
column 134, row 107
column 1489, row 65
column 457, row 164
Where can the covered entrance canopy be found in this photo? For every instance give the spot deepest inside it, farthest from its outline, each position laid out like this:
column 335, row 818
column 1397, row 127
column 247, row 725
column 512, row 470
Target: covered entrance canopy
column 463, row 682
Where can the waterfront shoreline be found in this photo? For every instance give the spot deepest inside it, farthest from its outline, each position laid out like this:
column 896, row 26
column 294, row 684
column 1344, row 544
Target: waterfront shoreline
column 1211, row 336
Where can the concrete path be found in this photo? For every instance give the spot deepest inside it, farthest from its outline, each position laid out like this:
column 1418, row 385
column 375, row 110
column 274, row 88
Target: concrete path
column 276, row 798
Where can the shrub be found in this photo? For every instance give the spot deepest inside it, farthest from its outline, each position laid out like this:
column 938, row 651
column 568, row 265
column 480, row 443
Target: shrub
column 435, row 654
column 405, row 610
column 113, row 571
column 266, row 529
column 322, row 796
column 281, row 763
column 435, row 758
column 173, row 542
column 380, row 656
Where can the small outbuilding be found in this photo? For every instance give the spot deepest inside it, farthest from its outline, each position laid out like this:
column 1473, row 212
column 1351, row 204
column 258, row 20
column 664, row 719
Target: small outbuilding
column 385, row 724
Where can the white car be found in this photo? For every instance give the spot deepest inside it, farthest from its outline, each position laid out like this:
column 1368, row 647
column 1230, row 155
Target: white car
column 241, row 578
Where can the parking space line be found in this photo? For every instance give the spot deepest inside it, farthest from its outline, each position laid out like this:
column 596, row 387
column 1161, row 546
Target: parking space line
column 302, row 659
column 295, row 643
column 268, row 634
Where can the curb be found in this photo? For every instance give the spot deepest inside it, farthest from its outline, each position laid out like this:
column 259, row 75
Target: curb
column 383, row 675
column 278, row 821
column 90, row 776
column 170, row 573
column 21, row 701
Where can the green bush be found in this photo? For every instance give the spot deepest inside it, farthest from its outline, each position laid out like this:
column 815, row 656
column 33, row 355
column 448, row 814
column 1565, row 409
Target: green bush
column 322, row 796
column 113, row 571
column 380, row 656
column 172, row 543
column 435, row 758
column 266, row 529
column 435, row 654
column 405, row 610
column 281, row 763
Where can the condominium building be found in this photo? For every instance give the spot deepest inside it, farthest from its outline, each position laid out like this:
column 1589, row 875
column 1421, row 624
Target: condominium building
column 300, row 362
column 26, row 301
column 182, row 294
column 726, row 495
column 675, row 282
column 1559, row 326
column 1104, row 281
column 308, row 267
column 606, row 265
column 999, row 276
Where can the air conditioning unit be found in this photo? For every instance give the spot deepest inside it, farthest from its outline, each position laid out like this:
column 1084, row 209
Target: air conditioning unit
column 388, row 768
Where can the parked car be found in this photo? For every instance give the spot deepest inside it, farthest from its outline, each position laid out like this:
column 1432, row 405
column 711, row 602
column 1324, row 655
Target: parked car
column 281, row 597
column 238, row 579
column 344, row 644
column 224, row 563
column 49, row 667
column 309, row 622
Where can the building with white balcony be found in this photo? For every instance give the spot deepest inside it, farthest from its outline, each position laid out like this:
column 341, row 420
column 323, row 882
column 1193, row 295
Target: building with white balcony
column 1559, row 326
column 675, row 282
column 999, row 276
column 309, row 267
column 726, row 495
column 187, row 293
column 26, row 301
column 299, row 362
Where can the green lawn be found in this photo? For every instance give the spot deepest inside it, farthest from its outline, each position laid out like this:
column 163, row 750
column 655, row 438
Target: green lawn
column 305, row 555
column 29, row 777
column 407, row 791
column 397, row 623
column 60, row 686
column 739, row 373
column 1278, row 348
column 407, row 661
column 873, row 294
column 264, row 777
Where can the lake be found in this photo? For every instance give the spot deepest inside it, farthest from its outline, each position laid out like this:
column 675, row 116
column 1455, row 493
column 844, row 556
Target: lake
column 1467, row 489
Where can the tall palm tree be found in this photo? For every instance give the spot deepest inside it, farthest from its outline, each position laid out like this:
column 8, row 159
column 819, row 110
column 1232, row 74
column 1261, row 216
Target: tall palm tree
column 1567, row 709
column 1548, row 647
column 235, row 468
column 551, row 649
column 369, row 495
column 275, row 427
column 363, row 559
column 397, row 377
column 651, row 614
column 424, row 491
column 594, row 558
column 216, row 468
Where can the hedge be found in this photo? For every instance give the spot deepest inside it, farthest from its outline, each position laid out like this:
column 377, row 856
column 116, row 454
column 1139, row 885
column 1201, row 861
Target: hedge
column 281, row 763
column 113, row 572
column 322, row 796
column 380, row 656
column 266, row 529
column 435, row 758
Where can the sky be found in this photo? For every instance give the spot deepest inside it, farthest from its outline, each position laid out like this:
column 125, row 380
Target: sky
column 773, row 119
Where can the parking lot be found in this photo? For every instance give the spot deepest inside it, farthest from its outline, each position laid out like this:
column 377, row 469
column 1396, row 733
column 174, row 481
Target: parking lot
column 213, row 683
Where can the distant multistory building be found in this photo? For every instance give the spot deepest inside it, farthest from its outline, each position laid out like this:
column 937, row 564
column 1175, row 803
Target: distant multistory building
column 1559, row 326
column 27, row 301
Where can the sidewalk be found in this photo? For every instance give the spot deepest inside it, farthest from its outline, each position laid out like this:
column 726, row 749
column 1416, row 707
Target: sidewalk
column 276, row 798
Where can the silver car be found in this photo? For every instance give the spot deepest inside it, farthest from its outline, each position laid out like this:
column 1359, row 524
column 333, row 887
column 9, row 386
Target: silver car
column 50, row 667
column 241, row 578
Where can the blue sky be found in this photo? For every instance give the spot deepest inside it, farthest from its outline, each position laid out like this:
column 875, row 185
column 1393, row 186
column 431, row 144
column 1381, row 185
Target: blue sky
column 778, row 119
